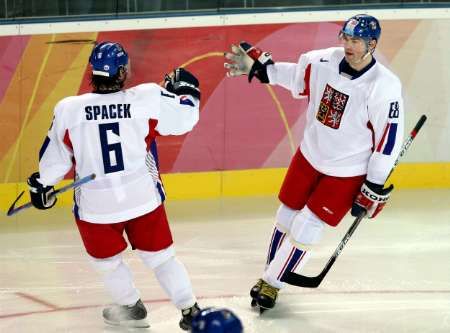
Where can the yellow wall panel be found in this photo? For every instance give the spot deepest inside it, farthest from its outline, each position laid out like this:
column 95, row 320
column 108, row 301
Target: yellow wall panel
column 203, row 185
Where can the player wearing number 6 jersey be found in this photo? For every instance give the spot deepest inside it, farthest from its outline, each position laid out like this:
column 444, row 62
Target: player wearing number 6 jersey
column 111, row 132
column 352, row 137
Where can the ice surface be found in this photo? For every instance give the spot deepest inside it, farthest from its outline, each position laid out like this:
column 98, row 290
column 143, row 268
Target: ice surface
column 393, row 275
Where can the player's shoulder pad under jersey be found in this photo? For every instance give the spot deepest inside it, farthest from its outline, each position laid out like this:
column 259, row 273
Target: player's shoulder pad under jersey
column 67, row 101
column 148, row 90
column 324, row 56
column 149, row 87
column 386, row 85
column 388, row 77
column 66, row 104
column 67, row 111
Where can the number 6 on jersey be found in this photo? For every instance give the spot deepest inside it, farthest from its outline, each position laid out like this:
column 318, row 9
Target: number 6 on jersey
column 111, row 152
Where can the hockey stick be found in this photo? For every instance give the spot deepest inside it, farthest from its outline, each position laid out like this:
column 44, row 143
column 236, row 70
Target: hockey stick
column 314, row 281
column 14, row 210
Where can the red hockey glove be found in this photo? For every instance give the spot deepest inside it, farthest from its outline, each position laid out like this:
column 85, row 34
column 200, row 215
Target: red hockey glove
column 40, row 194
column 372, row 198
column 248, row 60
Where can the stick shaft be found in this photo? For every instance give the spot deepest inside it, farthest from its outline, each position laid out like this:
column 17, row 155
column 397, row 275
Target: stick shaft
column 14, row 210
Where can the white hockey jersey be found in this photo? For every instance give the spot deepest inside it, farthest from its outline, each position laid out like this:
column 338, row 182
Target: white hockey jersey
column 112, row 135
column 353, row 127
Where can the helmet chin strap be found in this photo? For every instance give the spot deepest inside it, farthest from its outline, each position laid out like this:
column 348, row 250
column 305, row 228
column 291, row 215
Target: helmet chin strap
column 364, row 57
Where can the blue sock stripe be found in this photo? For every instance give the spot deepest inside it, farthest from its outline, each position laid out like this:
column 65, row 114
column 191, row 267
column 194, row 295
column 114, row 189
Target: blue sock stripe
column 299, row 261
column 281, row 241
column 275, row 244
column 294, row 260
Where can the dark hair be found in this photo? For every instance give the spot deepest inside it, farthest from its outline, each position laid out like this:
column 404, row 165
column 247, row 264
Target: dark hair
column 105, row 83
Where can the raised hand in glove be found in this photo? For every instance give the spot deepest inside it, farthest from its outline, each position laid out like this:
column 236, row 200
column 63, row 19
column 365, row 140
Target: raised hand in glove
column 40, row 195
column 248, row 60
column 372, row 198
column 182, row 82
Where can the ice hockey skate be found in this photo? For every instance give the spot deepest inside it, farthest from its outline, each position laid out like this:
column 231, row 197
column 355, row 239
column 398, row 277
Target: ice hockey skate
column 126, row 315
column 267, row 297
column 188, row 314
column 254, row 292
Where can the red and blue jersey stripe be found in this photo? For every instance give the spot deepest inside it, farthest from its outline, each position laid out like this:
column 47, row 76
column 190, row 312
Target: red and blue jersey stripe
column 387, row 142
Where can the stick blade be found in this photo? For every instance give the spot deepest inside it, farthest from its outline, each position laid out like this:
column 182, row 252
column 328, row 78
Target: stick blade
column 11, row 210
column 301, row 280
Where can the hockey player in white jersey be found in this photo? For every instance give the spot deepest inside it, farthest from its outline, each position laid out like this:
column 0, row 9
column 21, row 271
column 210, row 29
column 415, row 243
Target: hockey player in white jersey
column 352, row 137
column 111, row 132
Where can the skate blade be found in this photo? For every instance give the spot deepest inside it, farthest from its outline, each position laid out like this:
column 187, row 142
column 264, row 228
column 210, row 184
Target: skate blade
column 129, row 323
column 263, row 309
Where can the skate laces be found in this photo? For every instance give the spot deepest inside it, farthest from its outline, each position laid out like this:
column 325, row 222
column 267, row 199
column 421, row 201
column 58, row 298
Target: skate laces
column 268, row 290
column 259, row 283
column 256, row 288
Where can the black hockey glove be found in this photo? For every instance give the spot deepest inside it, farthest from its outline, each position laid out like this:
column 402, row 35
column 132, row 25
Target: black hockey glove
column 248, row 60
column 182, row 82
column 372, row 198
column 40, row 194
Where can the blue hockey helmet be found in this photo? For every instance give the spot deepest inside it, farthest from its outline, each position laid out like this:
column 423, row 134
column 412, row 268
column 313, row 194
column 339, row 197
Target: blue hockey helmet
column 362, row 26
column 107, row 57
column 212, row 320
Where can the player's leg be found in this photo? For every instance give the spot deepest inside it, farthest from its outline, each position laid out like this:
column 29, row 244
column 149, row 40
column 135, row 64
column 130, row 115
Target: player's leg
column 104, row 243
column 283, row 222
column 150, row 235
column 305, row 232
column 330, row 201
column 298, row 184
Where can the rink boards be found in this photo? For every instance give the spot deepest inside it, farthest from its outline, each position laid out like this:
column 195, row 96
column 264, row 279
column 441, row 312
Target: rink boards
column 247, row 133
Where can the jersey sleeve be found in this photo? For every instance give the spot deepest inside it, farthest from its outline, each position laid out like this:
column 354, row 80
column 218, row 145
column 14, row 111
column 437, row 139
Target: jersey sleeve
column 177, row 114
column 387, row 119
column 295, row 77
column 287, row 75
column 55, row 156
